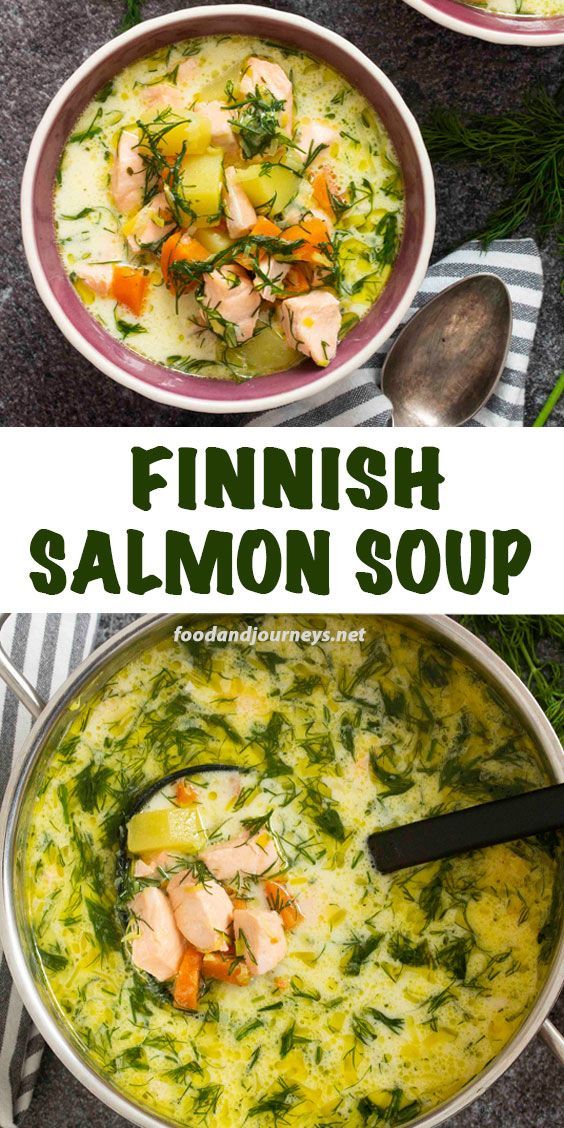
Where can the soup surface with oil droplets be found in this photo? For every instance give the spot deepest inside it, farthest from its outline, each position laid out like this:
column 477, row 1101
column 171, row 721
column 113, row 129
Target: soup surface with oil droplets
column 228, row 207
column 389, row 993
column 519, row 7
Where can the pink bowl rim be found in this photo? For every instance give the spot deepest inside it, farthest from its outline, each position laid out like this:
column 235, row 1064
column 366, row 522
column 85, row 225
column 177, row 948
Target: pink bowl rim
column 525, row 31
column 225, row 405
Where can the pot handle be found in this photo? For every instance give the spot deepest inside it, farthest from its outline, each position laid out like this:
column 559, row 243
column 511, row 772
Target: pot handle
column 554, row 1039
column 18, row 683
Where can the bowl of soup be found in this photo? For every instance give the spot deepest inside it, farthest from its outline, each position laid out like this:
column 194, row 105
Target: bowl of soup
column 216, row 945
column 531, row 23
column 228, row 208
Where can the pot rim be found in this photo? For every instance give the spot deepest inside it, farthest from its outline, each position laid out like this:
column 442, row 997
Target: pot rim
column 442, row 626
column 258, row 402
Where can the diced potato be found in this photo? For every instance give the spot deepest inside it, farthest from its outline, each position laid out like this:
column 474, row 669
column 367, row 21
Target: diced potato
column 213, row 241
column 170, row 828
column 269, row 186
column 194, row 133
column 202, row 181
column 266, row 352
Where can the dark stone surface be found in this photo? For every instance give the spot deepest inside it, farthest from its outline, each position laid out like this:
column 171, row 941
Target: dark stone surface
column 43, row 380
column 529, row 1095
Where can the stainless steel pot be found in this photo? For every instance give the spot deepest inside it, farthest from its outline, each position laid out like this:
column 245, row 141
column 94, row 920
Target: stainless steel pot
column 52, row 718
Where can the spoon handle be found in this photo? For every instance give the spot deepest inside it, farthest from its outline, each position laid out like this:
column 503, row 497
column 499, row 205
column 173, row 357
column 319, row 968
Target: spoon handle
column 461, row 831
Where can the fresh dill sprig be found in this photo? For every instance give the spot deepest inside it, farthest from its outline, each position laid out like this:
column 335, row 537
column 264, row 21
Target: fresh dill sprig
column 133, row 14
column 551, row 401
column 533, row 645
column 525, row 147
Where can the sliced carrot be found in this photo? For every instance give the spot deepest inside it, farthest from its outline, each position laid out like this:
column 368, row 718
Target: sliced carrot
column 264, row 226
column 296, row 282
column 324, row 186
column 238, row 902
column 185, row 795
column 227, row 967
column 129, row 287
column 314, row 235
column 187, row 982
column 178, row 247
column 280, row 899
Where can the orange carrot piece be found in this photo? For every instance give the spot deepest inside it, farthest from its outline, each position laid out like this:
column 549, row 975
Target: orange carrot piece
column 185, row 795
column 314, row 235
column 129, row 287
column 187, row 982
column 239, row 902
column 227, row 967
column 264, row 226
column 324, row 186
column 296, row 282
column 177, row 248
column 281, row 900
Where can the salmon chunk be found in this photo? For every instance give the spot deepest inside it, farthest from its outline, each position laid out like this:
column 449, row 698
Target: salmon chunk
column 252, row 855
column 314, row 133
column 269, row 76
column 219, row 117
column 158, row 947
column 229, row 296
column 311, row 323
column 98, row 276
column 272, row 270
column 150, row 225
column 261, row 939
column 164, row 96
column 239, row 212
column 128, row 173
column 203, row 913
column 153, row 865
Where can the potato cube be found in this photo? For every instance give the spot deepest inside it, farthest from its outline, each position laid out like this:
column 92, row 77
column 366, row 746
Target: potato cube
column 202, row 181
column 266, row 352
column 194, row 132
column 213, row 241
column 269, row 186
column 169, row 828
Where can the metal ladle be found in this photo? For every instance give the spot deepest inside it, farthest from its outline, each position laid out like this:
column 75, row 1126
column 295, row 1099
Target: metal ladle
column 449, row 357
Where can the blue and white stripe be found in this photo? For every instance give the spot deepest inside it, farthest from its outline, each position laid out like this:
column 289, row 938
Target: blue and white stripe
column 45, row 648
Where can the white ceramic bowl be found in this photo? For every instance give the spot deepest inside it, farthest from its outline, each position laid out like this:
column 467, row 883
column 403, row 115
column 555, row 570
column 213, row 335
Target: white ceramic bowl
column 196, row 392
column 528, row 31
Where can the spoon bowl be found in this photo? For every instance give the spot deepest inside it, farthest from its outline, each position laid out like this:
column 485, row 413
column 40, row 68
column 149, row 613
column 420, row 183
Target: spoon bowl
column 447, row 360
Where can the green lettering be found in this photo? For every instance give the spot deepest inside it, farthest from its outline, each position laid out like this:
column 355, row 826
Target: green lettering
column 96, row 563
column 408, row 544
column 366, row 465
column 182, row 562
column 511, row 552
column 427, row 479
column 222, row 476
column 303, row 562
column 143, row 481
column 45, row 547
column 372, row 547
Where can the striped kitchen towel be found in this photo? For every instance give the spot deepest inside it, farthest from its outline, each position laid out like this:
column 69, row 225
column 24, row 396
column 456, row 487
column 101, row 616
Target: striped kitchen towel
column 45, row 648
column 357, row 400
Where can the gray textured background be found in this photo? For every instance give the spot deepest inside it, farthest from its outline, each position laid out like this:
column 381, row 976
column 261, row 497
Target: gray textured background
column 43, row 381
column 529, row 1095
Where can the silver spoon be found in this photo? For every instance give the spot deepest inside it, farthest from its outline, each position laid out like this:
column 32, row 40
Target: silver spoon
column 449, row 357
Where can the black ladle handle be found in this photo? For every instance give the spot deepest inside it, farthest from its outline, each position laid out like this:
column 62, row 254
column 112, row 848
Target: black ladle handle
column 461, row 831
